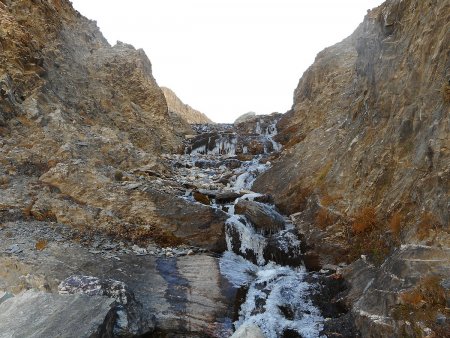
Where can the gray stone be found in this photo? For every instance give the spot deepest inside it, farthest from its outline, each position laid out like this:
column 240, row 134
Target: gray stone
column 4, row 296
column 227, row 197
column 39, row 314
column 14, row 249
column 441, row 319
column 128, row 318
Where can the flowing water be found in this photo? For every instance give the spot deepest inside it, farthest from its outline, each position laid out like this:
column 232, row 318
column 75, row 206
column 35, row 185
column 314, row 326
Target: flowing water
column 278, row 297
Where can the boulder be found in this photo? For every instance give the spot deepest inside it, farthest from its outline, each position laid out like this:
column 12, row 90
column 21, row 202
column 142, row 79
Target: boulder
column 227, row 197
column 284, row 248
column 202, row 198
column 39, row 314
column 261, row 215
column 128, row 318
column 245, row 117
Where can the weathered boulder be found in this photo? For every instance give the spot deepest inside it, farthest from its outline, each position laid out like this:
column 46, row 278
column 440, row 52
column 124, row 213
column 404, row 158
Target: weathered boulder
column 261, row 215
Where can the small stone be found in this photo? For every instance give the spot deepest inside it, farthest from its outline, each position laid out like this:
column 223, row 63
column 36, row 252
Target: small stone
column 109, row 246
column 441, row 319
column 14, row 249
column 138, row 250
column 330, row 267
column 4, row 296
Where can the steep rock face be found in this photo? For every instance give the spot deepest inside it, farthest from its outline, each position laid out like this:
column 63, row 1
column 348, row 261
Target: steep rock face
column 185, row 111
column 366, row 160
column 77, row 115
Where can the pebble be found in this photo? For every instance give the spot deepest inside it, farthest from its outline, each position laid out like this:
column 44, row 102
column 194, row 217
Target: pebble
column 14, row 249
column 441, row 319
column 139, row 251
column 4, row 296
column 109, row 246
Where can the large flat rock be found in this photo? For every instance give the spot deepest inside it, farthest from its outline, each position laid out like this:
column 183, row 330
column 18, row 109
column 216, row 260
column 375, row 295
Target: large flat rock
column 39, row 314
column 183, row 295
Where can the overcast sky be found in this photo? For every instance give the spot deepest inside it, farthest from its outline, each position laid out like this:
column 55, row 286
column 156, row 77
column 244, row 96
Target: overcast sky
column 228, row 57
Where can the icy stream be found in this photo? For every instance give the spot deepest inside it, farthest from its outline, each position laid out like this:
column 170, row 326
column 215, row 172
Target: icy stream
column 278, row 297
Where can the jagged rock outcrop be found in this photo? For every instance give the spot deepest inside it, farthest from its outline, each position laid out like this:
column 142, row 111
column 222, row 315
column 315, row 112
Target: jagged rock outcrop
column 185, row 111
column 83, row 126
column 366, row 161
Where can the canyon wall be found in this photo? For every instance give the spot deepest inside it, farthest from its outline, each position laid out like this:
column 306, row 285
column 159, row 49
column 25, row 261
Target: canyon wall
column 365, row 167
column 82, row 125
column 186, row 112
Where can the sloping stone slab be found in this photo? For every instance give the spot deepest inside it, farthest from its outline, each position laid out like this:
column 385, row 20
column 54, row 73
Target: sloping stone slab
column 39, row 314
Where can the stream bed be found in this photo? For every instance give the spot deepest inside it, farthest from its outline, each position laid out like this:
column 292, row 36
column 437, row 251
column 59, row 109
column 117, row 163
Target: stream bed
column 263, row 258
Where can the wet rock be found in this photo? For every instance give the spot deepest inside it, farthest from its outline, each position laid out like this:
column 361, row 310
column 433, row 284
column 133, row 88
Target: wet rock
column 284, row 248
column 262, row 216
column 227, row 197
column 203, row 164
column 209, row 193
column 264, row 198
column 202, row 198
column 232, row 163
column 245, row 157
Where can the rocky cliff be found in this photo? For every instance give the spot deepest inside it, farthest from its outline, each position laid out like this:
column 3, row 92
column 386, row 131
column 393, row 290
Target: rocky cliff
column 365, row 168
column 185, row 111
column 82, row 128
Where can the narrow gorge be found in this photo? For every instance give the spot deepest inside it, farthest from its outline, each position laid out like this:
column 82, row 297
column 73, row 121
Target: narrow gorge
column 126, row 213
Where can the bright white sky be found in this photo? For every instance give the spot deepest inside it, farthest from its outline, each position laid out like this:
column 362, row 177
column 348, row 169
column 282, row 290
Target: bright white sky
column 228, row 57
